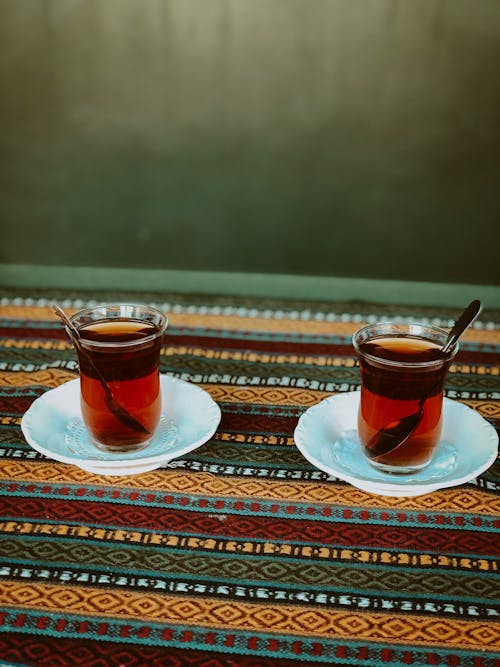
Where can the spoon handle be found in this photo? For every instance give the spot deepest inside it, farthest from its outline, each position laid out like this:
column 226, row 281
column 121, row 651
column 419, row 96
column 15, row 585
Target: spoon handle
column 75, row 337
column 118, row 410
column 466, row 318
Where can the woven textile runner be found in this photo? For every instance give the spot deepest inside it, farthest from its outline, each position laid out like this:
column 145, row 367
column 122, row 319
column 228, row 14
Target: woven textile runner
column 240, row 553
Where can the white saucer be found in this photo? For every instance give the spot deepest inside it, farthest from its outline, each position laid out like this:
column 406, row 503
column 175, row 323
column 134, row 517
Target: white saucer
column 327, row 436
column 53, row 426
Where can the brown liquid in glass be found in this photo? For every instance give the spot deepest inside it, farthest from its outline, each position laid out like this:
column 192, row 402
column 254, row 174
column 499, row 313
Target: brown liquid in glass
column 390, row 393
column 132, row 375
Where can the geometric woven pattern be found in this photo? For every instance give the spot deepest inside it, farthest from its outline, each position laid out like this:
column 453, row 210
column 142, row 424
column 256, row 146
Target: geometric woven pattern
column 241, row 552
column 250, row 616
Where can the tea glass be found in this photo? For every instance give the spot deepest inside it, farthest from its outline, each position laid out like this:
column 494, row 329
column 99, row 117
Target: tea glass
column 402, row 376
column 119, row 359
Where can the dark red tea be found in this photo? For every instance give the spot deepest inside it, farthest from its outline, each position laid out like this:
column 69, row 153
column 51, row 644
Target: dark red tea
column 396, row 373
column 126, row 353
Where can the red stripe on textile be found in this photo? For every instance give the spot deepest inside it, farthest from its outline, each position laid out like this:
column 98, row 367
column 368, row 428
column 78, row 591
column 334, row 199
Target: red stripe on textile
column 185, row 522
column 45, row 651
column 249, row 423
column 35, row 332
column 16, row 405
column 257, row 343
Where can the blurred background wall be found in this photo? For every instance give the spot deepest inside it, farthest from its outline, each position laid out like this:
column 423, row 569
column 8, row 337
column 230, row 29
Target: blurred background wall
column 323, row 137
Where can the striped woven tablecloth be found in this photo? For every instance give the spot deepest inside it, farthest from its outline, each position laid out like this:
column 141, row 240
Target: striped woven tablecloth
column 240, row 553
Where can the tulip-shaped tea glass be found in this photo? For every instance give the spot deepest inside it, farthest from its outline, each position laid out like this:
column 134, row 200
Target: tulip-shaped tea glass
column 403, row 370
column 118, row 351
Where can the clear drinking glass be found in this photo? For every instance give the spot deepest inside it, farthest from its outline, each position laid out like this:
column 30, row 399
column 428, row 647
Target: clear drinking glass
column 402, row 378
column 119, row 358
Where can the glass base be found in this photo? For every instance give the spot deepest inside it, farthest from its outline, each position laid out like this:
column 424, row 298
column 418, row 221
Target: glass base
column 397, row 470
column 121, row 449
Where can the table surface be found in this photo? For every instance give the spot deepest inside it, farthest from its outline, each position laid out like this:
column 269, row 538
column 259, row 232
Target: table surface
column 240, row 552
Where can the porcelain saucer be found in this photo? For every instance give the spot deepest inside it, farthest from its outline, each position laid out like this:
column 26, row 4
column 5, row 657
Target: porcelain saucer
column 326, row 435
column 53, row 425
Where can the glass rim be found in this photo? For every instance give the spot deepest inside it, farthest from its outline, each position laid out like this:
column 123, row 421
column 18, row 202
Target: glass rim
column 117, row 307
column 404, row 330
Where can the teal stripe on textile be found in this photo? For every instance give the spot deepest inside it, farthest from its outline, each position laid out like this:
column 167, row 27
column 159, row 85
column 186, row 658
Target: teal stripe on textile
column 271, row 509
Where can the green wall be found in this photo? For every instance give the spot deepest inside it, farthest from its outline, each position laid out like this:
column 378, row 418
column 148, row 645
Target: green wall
column 355, row 138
